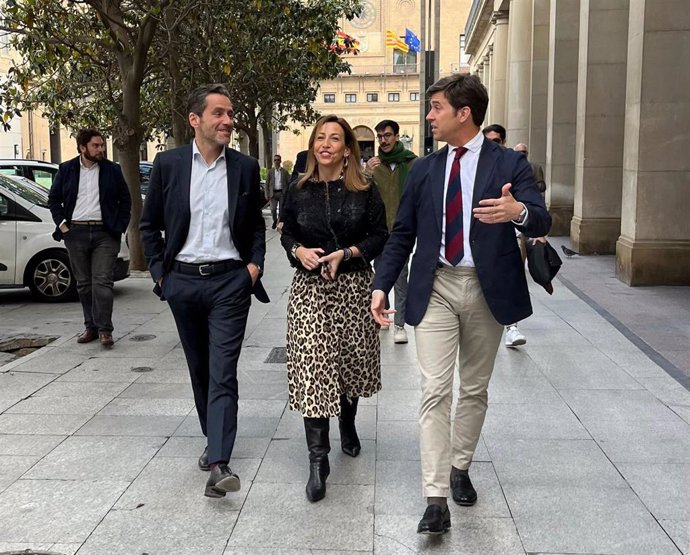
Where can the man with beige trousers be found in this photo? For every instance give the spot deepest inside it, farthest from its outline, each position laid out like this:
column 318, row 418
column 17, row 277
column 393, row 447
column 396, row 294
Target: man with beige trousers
column 461, row 206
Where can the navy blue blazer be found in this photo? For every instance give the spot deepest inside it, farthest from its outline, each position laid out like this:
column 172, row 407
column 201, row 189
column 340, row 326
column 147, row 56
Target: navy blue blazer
column 166, row 208
column 116, row 204
column 494, row 246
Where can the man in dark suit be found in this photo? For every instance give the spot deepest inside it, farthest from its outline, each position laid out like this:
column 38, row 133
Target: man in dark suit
column 461, row 206
column 206, row 197
column 90, row 204
column 276, row 182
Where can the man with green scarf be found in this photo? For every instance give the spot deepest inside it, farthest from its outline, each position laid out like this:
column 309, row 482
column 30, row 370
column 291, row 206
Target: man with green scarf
column 389, row 170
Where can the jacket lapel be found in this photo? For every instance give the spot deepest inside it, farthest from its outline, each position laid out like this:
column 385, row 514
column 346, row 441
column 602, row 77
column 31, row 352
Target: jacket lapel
column 486, row 165
column 438, row 178
column 233, row 170
column 185, row 180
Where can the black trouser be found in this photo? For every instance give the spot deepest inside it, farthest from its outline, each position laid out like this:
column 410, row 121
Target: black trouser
column 92, row 255
column 211, row 317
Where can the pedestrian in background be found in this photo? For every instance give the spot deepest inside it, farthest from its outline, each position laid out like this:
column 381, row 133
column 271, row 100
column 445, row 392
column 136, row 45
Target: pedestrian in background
column 334, row 225
column 389, row 171
column 514, row 337
column 91, row 206
column 206, row 197
column 276, row 183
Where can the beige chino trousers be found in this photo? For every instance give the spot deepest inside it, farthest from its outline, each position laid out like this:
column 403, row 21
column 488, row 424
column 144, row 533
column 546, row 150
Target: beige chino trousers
column 456, row 320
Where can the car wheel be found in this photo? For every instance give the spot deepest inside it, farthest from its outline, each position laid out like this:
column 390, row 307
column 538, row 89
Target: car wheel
column 51, row 279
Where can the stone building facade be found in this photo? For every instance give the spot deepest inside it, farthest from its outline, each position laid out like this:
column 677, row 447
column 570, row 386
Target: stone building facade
column 383, row 84
column 600, row 91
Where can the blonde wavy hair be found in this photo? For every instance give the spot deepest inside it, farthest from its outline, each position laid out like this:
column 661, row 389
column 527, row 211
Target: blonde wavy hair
column 352, row 171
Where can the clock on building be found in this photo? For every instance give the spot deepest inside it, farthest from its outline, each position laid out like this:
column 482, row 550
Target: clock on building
column 366, row 17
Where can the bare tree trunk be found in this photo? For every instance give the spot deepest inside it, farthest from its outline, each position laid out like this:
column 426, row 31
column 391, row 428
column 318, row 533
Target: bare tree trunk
column 267, row 132
column 128, row 142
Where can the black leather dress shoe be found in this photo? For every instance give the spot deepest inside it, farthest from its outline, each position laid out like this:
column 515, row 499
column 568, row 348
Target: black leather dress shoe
column 463, row 491
column 435, row 521
column 203, row 460
column 221, row 481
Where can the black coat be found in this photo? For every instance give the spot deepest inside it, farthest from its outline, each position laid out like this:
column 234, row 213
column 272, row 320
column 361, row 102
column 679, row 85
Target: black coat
column 167, row 209
column 115, row 202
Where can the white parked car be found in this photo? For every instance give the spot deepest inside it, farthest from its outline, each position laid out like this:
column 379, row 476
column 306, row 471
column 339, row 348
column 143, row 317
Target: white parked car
column 29, row 256
column 39, row 171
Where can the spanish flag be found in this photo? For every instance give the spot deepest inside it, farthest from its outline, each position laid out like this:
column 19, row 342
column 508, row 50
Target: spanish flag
column 394, row 41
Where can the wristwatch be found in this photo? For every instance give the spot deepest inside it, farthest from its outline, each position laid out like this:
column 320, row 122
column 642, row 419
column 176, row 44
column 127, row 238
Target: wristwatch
column 523, row 214
column 293, row 250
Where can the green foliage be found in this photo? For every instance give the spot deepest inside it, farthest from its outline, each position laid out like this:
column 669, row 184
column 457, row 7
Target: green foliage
column 270, row 54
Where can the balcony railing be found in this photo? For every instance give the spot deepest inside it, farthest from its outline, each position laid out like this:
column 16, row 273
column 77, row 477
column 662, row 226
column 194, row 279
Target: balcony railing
column 384, row 69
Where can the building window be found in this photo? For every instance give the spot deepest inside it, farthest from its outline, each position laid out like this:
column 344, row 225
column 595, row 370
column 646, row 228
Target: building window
column 372, row 97
column 393, row 97
column 404, row 62
column 350, row 98
column 414, row 96
column 329, row 98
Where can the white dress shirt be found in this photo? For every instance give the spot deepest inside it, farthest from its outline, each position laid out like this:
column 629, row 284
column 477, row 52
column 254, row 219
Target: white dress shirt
column 88, row 207
column 468, row 173
column 209, row 238
column 278, row 183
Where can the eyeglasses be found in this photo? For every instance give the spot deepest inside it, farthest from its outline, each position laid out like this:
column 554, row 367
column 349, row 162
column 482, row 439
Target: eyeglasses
column 385, row 136
column 497, row 140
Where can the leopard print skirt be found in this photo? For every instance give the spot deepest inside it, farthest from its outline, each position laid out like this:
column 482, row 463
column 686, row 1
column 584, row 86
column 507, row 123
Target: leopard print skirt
column 333, row 345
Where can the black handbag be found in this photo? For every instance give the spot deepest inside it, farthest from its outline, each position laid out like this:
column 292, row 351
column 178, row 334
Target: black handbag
column 543, row 263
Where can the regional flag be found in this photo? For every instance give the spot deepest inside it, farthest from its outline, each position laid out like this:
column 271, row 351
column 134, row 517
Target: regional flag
column 394, row 41
column 412, row 41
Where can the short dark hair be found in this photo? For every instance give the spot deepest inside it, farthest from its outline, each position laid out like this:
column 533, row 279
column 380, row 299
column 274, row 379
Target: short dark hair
column 84, row 137
column 196, row 103
column 463, row 90
column 388, row 123
column 496, row 128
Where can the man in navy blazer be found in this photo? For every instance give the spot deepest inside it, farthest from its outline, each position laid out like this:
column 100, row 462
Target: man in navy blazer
column 206, row 197
column 461, row 207
column 90, row 204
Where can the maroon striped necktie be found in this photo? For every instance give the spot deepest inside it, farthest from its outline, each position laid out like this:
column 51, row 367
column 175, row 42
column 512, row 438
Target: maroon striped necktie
column 454, row 234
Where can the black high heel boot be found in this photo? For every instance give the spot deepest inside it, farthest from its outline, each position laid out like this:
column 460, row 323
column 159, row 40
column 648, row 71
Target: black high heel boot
column 319, row 446
column 349, row 441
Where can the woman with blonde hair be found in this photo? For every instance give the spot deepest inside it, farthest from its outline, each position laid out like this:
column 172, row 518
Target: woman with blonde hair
column 334, row 225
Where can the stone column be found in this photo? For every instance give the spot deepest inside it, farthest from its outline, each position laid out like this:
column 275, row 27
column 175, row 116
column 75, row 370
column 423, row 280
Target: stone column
column 654, row 246
column 602, row 61
column 497, row 100
column 539, row 80
column 560, row 113
column 518, row 96
column 489, row 74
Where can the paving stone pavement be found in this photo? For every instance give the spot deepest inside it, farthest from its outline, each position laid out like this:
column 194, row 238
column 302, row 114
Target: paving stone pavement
column 585, row 450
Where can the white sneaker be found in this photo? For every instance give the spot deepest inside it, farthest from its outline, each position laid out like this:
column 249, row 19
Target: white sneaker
column 513, row 336
column 400, row 335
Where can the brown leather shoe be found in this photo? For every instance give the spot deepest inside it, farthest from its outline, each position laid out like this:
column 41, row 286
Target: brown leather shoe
column 106, row 339
column 87, row 336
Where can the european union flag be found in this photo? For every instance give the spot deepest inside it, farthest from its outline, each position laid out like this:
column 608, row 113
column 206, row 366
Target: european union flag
column 412, row 41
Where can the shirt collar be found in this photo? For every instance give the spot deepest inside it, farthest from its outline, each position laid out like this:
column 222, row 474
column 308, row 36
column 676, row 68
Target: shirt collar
column 473, row 145
column 84, row 166
column 196, row 152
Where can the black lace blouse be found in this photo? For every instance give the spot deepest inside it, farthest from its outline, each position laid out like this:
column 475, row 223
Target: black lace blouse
column 329, row 216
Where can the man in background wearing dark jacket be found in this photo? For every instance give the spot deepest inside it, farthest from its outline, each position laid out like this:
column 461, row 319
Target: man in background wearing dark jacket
column 91, row 206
